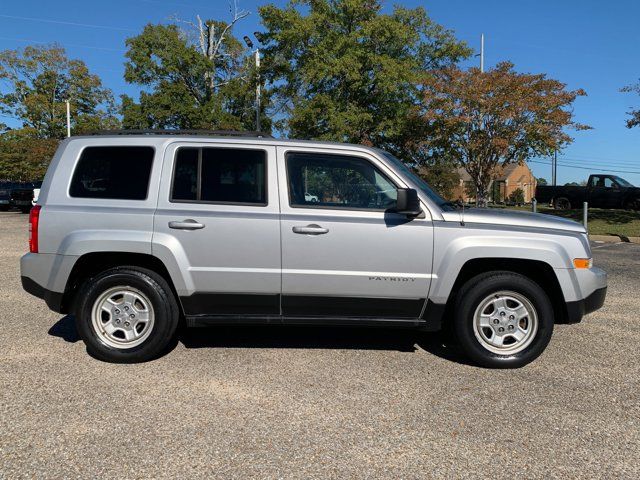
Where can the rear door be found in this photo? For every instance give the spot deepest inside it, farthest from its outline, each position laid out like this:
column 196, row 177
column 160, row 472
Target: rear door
column 218, row 217
column 343, row 253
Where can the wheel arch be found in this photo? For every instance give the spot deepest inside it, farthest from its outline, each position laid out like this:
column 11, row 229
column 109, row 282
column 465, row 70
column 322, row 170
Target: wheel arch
column 91, row 264
column 539, row 271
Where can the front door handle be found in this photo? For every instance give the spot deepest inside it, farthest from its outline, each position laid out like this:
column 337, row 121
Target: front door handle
column 312, row 229
column 188, row 224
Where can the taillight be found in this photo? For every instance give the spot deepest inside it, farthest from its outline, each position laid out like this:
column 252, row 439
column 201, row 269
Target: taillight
column 34, row 218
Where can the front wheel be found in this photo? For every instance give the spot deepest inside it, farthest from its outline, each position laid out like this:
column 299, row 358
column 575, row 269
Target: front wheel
column 503, row 320
column 126, row 315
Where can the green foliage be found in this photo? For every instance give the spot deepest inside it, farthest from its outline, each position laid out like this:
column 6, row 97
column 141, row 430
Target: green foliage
column 442, row 177
column 541, row 181
column 517, row 196
column 344, row 71
column 40, row 79
column 25, row 156
column 201, row 79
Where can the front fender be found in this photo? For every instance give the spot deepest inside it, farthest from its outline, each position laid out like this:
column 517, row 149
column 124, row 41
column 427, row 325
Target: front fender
column 454, row 247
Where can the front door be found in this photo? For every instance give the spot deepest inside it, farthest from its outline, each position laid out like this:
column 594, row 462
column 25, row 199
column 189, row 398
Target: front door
column 604, row 193
column 218, row 217
column 343, row 253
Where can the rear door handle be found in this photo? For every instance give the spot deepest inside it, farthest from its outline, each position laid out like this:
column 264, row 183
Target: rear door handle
column 312, row 229
column 188, row 224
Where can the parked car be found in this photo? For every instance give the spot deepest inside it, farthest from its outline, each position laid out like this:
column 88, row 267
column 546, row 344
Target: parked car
column 310, row 198
column 18, row 195
column 218, row 230
column 22, row 197
column 5, row 195
column 601, row 191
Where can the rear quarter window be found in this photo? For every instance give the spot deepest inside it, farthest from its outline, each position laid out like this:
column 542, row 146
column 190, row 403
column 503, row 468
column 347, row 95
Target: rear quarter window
column 113, row 172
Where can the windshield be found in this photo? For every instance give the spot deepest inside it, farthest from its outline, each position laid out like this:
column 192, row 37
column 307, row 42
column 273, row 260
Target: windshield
column 622, row 182
column 420, row 183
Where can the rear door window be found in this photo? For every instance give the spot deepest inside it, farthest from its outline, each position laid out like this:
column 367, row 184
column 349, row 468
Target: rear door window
column 220, row 175
column 113, row 172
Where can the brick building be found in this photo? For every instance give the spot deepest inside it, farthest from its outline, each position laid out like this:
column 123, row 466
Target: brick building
column 506, row 180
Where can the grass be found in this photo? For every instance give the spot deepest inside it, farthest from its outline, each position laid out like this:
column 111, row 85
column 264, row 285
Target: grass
column 601, row 222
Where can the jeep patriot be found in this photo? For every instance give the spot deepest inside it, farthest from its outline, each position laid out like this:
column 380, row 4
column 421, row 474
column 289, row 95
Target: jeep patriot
column 135, row 233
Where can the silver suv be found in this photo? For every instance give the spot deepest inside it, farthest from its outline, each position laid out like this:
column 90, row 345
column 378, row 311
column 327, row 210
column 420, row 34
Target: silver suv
column 136, row 233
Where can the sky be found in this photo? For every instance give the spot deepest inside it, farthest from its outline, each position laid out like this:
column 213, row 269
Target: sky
column 594, row 45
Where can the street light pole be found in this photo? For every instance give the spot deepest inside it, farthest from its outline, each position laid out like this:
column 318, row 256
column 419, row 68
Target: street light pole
column 482, row 53
column 68, row 118
column 258, row 89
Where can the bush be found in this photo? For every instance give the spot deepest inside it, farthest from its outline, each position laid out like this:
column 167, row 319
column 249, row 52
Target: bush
column 517, row 196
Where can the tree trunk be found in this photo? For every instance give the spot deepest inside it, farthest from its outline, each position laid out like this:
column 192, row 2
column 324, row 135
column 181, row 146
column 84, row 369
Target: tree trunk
column 482, row 194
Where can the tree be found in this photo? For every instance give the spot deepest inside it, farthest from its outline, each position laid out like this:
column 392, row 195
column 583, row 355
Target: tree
column 441, row 176
column 23, row 156
column 542, row 181
column 195, row 75
column 343, row 71
column 40, row 79
column 634, row 121
column 491, row 119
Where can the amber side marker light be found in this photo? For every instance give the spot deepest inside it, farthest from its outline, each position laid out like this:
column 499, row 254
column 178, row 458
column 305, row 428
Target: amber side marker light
column 583, row 262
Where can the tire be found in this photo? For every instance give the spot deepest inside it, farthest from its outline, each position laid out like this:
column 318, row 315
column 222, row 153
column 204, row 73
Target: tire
column 144, row 331
column 633, row 204
column 481, row 300
column 562, row 203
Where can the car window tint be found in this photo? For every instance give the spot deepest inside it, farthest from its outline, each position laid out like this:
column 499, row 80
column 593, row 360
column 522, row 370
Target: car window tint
column 185, row 175
column 113, row 172
column 337, row 181
column 220, row 175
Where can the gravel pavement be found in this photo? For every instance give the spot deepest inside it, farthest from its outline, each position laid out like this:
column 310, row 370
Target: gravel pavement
column 286, row 402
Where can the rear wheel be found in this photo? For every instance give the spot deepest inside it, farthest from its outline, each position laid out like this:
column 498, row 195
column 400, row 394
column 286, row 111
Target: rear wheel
column 126, row 315
column 633, row 204
column 562, row 203
column 503, row 319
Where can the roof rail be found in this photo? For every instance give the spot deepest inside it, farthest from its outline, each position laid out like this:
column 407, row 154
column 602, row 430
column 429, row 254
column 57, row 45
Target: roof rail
column 221, row 133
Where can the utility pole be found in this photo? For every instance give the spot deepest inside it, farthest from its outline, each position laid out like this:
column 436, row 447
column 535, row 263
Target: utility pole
column 482, row 53
column 68, row 118
column 249, row 43
column 258, row 89
column 554, row 168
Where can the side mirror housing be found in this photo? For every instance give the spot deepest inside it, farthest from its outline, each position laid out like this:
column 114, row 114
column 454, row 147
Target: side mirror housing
column 408, row 202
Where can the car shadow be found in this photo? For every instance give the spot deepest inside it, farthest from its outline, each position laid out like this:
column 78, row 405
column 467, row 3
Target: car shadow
column 65, row 328
column 322, row 337
column 300, row 337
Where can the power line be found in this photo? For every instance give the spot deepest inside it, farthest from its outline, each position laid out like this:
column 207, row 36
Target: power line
column 75, row 45
column 587, row 168
column 584, row 157
column 74, row 24
column 597, row 165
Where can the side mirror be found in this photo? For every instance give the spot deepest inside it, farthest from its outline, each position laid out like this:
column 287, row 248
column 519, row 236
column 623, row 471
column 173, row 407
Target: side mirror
column 408, row 202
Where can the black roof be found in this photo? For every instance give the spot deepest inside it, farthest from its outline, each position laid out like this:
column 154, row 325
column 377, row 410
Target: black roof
column 220, row 133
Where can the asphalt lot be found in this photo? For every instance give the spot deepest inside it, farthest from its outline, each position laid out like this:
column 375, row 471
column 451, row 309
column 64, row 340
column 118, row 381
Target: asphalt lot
column 318, row 403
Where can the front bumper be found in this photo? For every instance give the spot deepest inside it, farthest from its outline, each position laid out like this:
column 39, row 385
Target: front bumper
column 577, row 310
